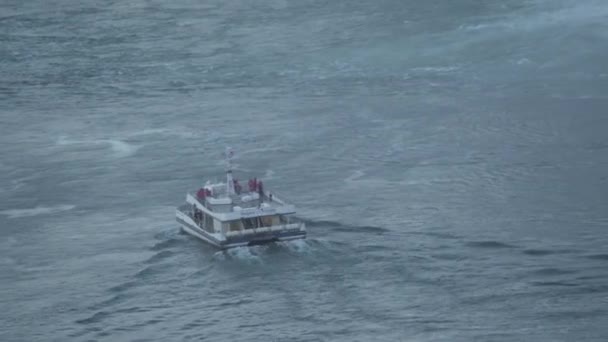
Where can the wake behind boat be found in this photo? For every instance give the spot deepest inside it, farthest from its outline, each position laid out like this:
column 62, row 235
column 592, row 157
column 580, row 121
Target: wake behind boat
column 225, row 215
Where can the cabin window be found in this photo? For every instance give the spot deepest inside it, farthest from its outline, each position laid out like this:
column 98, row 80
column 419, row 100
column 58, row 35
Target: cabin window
column 248, row 223
column 266, row 221
column 235, row 225
column 285, row 219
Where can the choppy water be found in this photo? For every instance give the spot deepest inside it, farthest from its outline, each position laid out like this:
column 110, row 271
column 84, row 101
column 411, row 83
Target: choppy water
column 449, row 157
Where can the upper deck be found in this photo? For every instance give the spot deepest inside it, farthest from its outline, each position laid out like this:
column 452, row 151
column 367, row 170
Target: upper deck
column 229, row 201
column 226, row 206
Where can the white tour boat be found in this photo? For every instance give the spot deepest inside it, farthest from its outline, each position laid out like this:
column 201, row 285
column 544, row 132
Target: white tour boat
column 225, row 215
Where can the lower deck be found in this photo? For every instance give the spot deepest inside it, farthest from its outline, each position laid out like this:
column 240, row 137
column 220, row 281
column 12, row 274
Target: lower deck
column 244, row 225
column 243, row 237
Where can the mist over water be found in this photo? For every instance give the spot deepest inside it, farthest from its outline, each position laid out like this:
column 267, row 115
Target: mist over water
column 450, row 160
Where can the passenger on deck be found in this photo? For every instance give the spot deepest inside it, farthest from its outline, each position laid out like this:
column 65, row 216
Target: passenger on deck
column 195, row 215
column 200, row 194
column 237, row 187
column 260, row 189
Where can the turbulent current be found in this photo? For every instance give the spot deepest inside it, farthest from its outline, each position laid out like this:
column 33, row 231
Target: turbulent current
column 450, row 160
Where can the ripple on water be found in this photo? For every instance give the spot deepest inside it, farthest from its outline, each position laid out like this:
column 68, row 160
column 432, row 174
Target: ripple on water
column 159, row 256
column 538, row 252
column 554, row 284
column 159, row 246
column 95, row 318
column 337, row 226
column 551, row 271
column 489, row 244
column 544, row 252
column 597, row 257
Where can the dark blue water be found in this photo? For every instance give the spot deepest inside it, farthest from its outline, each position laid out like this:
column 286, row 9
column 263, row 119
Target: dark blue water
column 449, row 157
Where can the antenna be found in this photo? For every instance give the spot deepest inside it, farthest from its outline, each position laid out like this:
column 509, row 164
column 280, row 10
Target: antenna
column 229, row 182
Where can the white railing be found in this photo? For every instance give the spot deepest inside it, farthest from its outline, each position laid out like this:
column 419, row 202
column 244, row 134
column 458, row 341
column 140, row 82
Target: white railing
column 255, row 211
column 261, row 230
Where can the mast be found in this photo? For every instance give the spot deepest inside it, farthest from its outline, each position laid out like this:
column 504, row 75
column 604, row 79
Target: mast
column 229, row 181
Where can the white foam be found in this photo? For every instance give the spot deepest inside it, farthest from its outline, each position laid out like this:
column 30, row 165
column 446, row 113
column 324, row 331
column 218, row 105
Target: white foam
column 269, row 174
column 18, row 213
column 356, row 175
column 323, row 243
column 523, row 61
column 19, row 183
column 63, row 141
column 219, row 255
column 150, row 131
column 579, row 13
column 437, row 69
column 242, row 253
column 120, row 148
column 182, row 133
column 298, row 246
column 476, row 27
